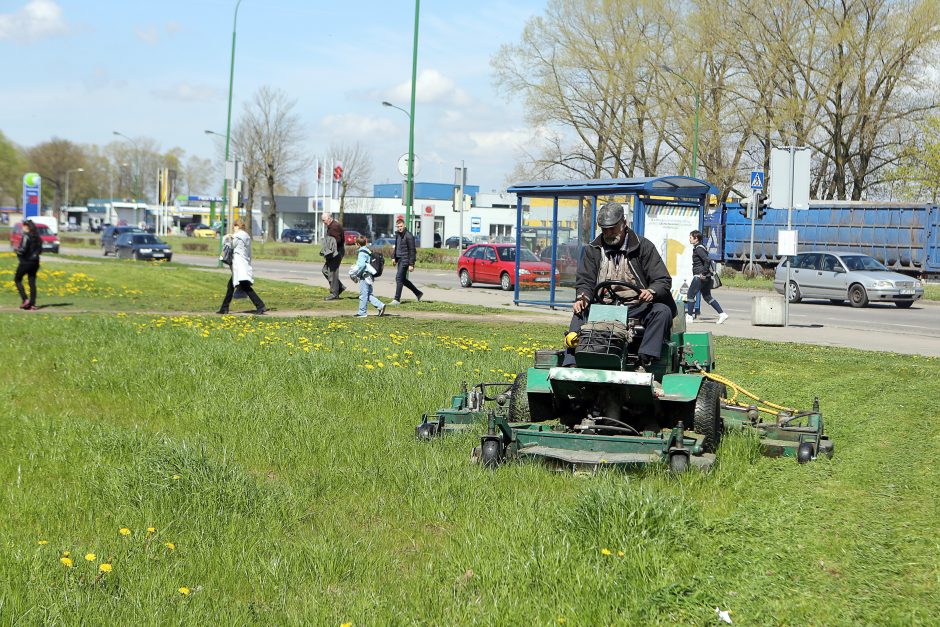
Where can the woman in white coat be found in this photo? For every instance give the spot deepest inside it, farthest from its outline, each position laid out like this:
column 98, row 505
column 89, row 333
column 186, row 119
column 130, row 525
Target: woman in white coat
column 241, row 270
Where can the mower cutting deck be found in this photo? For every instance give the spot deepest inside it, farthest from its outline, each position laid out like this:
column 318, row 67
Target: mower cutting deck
column 609, row 410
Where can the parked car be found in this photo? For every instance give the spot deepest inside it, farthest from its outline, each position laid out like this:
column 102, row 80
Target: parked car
column 350, row 237
column 838, row 276
column 142, row 246
column 296, row 235
column 452, row 242
column 384, row 241
column 50, row 241
column 566, row 261
column 110, row 234
column 192, row 226
column 496, row 264
column 204, row 230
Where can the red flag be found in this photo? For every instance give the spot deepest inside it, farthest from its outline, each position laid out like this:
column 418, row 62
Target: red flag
column 338, row 172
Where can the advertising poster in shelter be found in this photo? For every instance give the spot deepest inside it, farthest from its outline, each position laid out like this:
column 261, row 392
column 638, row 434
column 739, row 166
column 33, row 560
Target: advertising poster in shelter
column 668, row 229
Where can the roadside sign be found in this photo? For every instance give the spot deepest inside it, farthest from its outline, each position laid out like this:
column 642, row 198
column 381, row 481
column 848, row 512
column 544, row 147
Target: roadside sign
column 757, row 179
column 475, row 224
column 783, row 186
column 32, row 192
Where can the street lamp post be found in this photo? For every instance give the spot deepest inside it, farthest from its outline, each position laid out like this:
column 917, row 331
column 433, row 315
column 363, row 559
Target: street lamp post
column 228, row 120
column 411, row 120
column 67, row 172
column 666, row 68
column 136, row 175
column 409, row 176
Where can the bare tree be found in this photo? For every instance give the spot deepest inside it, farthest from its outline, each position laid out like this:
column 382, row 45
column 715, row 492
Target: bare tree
column 52, row 160
column 273, row 137
column 357, row 170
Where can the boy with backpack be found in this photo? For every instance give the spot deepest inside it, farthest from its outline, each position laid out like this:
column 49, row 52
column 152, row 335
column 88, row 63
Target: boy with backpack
column 368, row 266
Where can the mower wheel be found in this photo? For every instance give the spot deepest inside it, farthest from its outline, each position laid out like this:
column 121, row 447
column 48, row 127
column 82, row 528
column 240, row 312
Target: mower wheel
column 793, row 293
column 707, row 419
column 424, row 431
column 519, row 399
column 490, row 453
column 805, row 452
column 678, row 463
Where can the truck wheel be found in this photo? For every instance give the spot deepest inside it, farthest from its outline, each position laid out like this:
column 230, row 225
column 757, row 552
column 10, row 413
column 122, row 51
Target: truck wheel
column 519, row 400
column 465, row 279
column 793, row 293
column 858, row 296
column 505, row 282
column 707, row 419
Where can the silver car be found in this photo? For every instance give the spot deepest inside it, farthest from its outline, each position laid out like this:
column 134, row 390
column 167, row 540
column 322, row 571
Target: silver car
column 839, row 276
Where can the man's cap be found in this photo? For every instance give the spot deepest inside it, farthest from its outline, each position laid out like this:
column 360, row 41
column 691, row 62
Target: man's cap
column 610, row 215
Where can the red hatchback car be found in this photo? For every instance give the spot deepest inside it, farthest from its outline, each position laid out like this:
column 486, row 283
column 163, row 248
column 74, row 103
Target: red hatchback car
column 50, row 241
column 496, row 263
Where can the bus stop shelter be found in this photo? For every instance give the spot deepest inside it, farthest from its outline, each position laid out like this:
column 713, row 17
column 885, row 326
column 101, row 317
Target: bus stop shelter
column 662, row 209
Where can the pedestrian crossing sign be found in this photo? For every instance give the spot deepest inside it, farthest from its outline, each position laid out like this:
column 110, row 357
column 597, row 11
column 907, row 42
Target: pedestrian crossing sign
column 757, row 179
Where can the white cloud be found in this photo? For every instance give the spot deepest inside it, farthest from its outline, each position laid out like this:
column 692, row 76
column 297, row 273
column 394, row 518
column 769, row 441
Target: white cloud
column 353, row 127
column 432, row 87
column 151, row 34
column 37, row 19
column 187, row 92
column 148, row 35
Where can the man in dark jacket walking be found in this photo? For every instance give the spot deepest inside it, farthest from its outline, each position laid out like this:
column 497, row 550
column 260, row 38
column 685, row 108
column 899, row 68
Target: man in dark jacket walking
column 619, row 254
column 332, row 262
column 404, row 256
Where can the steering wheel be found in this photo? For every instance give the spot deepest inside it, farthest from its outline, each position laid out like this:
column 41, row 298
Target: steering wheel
column 605, row 293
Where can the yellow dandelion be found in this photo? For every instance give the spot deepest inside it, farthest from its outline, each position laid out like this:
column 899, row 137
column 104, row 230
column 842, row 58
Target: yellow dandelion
column 90, row 557
column 43, row 542
column 151, row 529
column 459, row 363
column 94, row 361
column 170, row 546
column 562, row 620
column 370, row 366
column 605, row 551
column 176, row 477
column 184, row 591
column 620, row 553
column 124, row 531
column 105, row 568
column 67, row 561
column 349, row 624
column 65, row 553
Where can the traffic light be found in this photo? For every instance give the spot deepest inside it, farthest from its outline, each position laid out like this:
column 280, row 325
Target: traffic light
column 761, row 205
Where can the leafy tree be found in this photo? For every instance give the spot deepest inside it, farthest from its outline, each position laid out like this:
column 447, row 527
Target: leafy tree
column 13, row 165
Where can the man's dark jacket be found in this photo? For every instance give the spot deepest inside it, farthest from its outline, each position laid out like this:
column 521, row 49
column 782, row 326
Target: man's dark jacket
column 335, row 230
column 405, row 251
column 645, row 263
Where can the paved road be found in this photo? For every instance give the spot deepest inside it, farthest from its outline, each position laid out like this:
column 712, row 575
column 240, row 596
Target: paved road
column 913, row 331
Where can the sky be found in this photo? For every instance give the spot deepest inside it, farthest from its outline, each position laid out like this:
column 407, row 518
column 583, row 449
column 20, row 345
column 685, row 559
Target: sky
column 81, row 69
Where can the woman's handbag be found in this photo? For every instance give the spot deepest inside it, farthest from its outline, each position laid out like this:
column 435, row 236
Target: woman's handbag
column 716, row 281
column 228, row 251
column 239, row 293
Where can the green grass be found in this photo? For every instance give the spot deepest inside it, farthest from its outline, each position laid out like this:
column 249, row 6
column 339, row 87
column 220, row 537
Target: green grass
column 284, row 471
column 108, row 284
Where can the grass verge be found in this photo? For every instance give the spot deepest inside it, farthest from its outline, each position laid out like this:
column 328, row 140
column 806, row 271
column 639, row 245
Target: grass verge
column 265, row 472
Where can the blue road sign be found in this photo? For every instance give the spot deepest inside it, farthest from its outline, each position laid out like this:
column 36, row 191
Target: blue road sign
column 757, row 179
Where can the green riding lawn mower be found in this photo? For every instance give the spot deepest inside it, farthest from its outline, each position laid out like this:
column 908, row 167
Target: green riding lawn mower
column 609, row 410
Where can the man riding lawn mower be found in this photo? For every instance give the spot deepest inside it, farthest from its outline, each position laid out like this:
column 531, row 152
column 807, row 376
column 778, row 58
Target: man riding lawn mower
column 632, row 388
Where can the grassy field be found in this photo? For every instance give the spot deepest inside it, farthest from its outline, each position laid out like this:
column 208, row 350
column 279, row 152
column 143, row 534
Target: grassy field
column 108, row 284
column 264, row 471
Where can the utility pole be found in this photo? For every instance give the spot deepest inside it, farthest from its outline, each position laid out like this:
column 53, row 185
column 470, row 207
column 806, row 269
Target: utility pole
column 460, row 181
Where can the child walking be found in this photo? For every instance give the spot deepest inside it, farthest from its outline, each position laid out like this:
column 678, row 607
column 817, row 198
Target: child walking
column 364, row 274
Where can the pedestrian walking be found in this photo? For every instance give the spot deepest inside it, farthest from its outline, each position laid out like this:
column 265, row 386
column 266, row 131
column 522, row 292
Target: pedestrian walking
column 701, row 280
column 331, row 263
column 404, row 257
column 28, row 254
column 364, row 273
column 242, row 277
